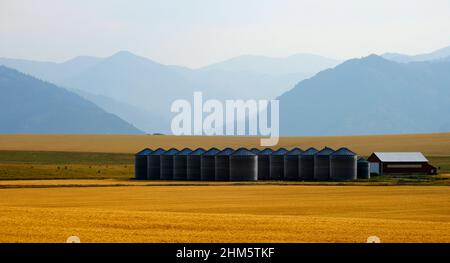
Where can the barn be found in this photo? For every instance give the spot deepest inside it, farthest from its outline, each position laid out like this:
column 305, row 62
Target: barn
column 400, row 163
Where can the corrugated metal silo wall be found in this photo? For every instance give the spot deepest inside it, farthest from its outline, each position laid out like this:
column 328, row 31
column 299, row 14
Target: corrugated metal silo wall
column 180, row 167
column 291, row 167
column 167, row 167
column 276, row 167
column 193, row 167
column 343, row 167
column 263, row 167
column 140, row 167
column 208, row 168
column 222, row 168
column 306, row 167
column 322, row 167
column 363, row 170
column 154, row 167
column 244, row 168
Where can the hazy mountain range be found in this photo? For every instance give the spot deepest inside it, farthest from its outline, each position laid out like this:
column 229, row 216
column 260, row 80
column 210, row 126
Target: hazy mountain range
column 124, row 82
column 391, row 93
column 442, row 53
column 295, row 64
column 29, row 105
column 370, row 95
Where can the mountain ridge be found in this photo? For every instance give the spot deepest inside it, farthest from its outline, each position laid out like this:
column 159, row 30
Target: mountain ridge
column 441, row 53
column 30, row 105
column 369, row 95
column 143, row 83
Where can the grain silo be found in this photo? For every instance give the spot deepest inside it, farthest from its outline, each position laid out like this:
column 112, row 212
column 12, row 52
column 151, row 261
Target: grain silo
column 180, row 164
column 306, row 164
column 193, row 164
column 243, row 165
column 167, row 164
column 222, row 172
column 322, row 164
column 343, row 165
column 277, row 164
column 291, row 164
column 154, row 164
column 264, row 164
column 140, row 164
column 208, row 165
column 363, row 170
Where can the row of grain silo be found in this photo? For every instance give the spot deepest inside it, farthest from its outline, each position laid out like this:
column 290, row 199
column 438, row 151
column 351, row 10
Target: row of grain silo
column 250, row 165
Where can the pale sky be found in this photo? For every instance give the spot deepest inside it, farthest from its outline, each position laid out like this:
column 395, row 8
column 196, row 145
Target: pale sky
column 195, row 33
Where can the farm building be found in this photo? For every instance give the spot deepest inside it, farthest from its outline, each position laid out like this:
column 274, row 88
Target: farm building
column 400, row 163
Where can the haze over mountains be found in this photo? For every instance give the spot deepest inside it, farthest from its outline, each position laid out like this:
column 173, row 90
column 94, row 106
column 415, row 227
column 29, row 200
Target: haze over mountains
column 370, row 95
column 296, row 64
column 29, row 105
column 124, row 82
column 442, row 53
column 391, row 93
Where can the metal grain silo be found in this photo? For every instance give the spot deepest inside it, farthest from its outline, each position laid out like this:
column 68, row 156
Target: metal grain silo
column 264, row 164
column 306, row 164
column 180, row 164
column 243, row 165
column 154, row 164
column 363, row 169
column 322, row 164
column 208, row 165
column 223, row 165
column 343, row 165
column 193, row 164
column 291, row 164
column 277, row 164
column 140, row 164
column 167, row 164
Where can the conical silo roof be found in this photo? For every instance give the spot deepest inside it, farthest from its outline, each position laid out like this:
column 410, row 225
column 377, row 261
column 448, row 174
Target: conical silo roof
column 145, row 151
column 266, row 151
column 171, row 151
column 226, row 151
column 310, row 151
column 242, row 151
column 212, row 151
column 295, row 151
column 325, row 151
column 198, row 151
column 362, row 160
column 281, row 151
column 185, row 151
column 158, row 151
column 343, row 152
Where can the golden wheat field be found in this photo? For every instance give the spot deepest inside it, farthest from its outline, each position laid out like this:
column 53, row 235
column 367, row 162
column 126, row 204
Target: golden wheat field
column 116, row 209
column 259, row 213
column 429, row 144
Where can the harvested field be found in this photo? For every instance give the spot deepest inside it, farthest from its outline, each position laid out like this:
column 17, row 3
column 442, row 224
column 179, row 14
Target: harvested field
column 226, row 214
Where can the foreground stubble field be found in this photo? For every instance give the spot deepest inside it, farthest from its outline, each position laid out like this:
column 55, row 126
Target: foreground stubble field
column 246, row 213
